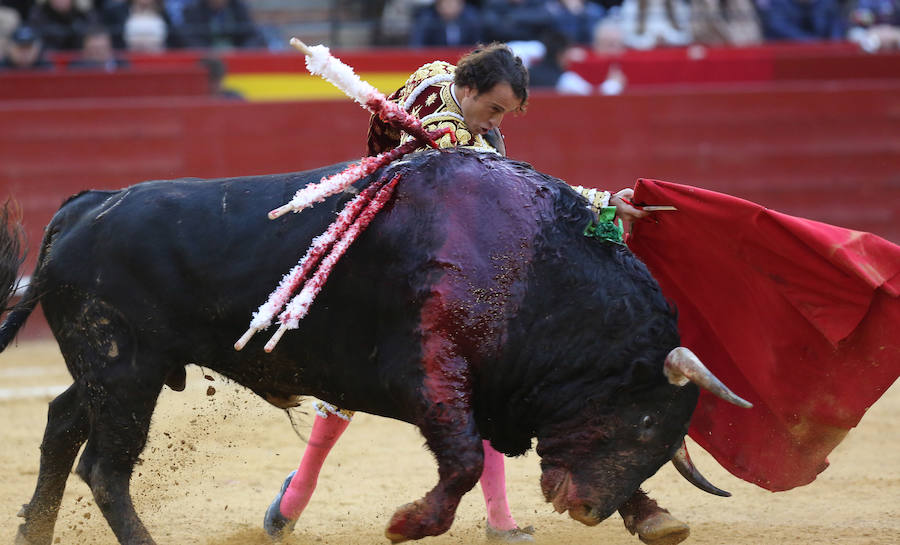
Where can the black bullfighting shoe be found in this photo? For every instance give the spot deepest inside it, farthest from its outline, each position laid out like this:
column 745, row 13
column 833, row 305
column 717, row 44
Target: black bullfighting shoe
column 276, row 524
column 516, row 535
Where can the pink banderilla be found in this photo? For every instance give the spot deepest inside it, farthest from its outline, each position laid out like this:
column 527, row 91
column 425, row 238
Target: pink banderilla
column 355, row 216
column 297, row 309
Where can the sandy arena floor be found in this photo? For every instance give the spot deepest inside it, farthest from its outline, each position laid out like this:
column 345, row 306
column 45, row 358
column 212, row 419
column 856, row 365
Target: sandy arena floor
column 213, row 464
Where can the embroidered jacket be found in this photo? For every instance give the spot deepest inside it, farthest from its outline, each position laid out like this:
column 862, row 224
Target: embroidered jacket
column 426, row 95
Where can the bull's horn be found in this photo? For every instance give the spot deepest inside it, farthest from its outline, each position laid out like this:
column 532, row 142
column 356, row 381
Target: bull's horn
column 682, row 462
column 682, row 366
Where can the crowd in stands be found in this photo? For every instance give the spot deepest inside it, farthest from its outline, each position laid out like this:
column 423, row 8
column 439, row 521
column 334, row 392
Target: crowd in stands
column 547, row 33
column 98, row 29
column 645, row 24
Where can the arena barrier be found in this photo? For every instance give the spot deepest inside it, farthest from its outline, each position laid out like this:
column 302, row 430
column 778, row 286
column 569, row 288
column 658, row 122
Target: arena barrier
column 826, row 149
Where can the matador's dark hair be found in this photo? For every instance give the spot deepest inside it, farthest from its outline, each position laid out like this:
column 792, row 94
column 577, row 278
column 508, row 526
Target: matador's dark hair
column 489, row 65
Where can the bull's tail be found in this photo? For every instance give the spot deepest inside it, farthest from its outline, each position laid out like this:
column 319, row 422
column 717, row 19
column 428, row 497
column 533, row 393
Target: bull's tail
column 11, row 258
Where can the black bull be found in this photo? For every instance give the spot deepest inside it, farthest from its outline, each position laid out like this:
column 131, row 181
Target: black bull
column 472, row 307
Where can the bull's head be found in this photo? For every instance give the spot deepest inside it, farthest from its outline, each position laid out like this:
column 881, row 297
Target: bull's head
column 593, row 463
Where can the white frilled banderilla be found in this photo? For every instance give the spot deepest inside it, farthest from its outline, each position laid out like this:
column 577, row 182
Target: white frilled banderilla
column 313, row 269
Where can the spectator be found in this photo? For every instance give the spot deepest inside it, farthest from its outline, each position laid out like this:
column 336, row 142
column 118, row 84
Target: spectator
column 396, row 20
column 117, row 12
column 97, row 52
column 576, row 19
column 515, row 20
column 801, row 20
column 609, row 38
column 221, row 24
column 875, row 24
column 609, row 41
column 62, row 23
column 647, row 24
column 446, row 23
column 216, row 69
column 25, row 51
column 725, row 22
column 21, row 7
column 552, row 71
column 145, row 33
column 174, row 10
column 9, row 21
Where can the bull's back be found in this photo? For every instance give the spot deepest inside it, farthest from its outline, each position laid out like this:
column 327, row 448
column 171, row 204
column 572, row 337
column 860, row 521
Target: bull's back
column 178, row 250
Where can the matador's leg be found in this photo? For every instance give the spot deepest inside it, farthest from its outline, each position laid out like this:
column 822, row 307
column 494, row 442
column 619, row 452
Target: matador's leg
column 500, row 523
column 299, row 486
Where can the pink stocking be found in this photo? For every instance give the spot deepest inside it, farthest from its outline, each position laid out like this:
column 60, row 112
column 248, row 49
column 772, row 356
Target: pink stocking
column 325, row 433
column 493, row 485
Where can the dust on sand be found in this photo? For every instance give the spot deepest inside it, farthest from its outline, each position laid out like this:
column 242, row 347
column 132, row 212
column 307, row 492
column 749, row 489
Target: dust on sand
column 214, row 462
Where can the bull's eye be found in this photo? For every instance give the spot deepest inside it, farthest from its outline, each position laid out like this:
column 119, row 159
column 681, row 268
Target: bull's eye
column 647, row 422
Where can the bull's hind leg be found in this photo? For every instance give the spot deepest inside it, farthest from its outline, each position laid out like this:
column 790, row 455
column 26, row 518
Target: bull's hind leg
column 67, row 428
column 122, row 400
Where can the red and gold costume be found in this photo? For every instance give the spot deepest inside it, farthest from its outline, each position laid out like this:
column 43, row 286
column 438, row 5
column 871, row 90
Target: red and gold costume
column 427, row 95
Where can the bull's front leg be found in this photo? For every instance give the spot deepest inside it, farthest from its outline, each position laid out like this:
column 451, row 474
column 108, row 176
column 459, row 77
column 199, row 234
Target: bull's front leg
column 450, row 432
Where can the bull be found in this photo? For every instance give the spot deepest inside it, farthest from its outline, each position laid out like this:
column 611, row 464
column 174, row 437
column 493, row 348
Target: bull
column 472, row 307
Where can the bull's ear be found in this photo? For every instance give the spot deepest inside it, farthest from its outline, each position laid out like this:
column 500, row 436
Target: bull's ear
column 683, row 366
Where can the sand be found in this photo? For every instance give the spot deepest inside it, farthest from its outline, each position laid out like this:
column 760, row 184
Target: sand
column 214, row 462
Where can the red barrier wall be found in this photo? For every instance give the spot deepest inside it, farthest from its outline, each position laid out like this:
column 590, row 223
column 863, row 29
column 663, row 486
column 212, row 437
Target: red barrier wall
column 828, row 152
column 146, row 82
column 831, row 154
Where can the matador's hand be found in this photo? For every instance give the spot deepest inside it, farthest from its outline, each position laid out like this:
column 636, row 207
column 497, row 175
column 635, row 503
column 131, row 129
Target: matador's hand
column 625, row 211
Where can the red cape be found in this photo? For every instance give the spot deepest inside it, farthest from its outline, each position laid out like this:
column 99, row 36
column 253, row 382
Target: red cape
column 800, row 318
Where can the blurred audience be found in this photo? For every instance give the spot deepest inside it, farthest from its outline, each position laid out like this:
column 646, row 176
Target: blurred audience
column 801, row 20
column 647, row 24
column 609, row 38
column 220, row 24
column 725, row 22
column 174, row 10
column 515, row 20
column 606, row 27
column 25, row 51
column 551, row 72
column 446, row 23
column 97, row 52
column 62, row 23
column 9, row 20
column 21, row 7
column 117, row 12
column 575, row 18
column 145, row 33
column 216, row 69
column 875, row 24
column 395, row 23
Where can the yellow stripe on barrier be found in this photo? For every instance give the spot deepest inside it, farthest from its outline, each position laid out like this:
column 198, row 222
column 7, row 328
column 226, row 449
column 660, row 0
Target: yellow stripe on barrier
column 273, row 86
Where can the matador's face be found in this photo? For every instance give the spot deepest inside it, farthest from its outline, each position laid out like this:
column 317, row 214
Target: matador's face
column 483, row 112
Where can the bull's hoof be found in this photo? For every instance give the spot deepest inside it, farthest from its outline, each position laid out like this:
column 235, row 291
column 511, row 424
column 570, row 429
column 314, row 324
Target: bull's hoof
column 276, row 524
column 22, row 539
column 516, row 535
column 394, row 537
column 661, row 528
column 417, row 520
